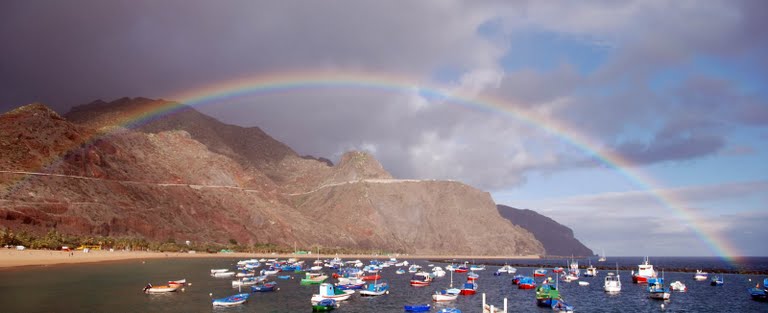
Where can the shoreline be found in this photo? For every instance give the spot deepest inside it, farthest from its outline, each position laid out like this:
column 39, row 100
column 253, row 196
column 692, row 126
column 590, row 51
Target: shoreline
column 11, row 259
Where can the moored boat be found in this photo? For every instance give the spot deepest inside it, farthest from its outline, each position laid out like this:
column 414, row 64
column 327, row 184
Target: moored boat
column 161, row 289
column 325, row 305
column 182, row 282
column 472, row 276
column 474, row 267
column 328, row 291
column 417, row 308
column 700, row 275
column 539, row 272
column 526, row 283
column 469, row 288
column 223, row 274
column 591, row 271
column 547, row 294
column 759, row 294
column 449, row 310
column 562, row 306
column 421, row 279
column 657, row 290
column 612, row 282
column 264, row 287
column 375, row 289
column 231, row 300
column 644, row 272
column 400, row 271
column 717, row 281
column 678, row 286
column 558, row 270
column 445, row 295
column 313, row 278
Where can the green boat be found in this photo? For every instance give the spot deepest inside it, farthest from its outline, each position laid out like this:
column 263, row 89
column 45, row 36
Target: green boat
column 325, row 305
column 547, row 294
column 313, row 278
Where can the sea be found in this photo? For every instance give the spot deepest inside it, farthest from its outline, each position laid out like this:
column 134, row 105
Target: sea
column 117, row 287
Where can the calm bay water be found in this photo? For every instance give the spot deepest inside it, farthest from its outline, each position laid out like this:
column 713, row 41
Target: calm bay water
column 116, row 287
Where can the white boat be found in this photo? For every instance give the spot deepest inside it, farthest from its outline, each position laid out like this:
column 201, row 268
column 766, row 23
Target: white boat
column 602, row 257
column 438, row 271
column 245, row 274
column 612, row 282
column 449, row 294
column 231, row 300
column 507, row 269
column 583, row 283
column 161, row 289
column 678, row 286
column 328, row 291
column 700, row 275
column 316, row 268
column 219, row 270
column 477, row 268
column 223, row 274
column 591, row 271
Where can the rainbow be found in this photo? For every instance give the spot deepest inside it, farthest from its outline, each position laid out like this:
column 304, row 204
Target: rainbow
column 292, row 80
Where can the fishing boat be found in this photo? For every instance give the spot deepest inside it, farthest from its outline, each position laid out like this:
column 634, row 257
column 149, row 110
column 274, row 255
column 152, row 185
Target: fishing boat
column 526, row 283
column 325, row 305
column 539, row 272
column 657, row 290
column 446, row 294
column 328, row 291
column 421, row 279
column 469, row 288
column 612, row 282
column 400, row 271
column 678, row 286
column 602, row 257
column 759, row 294
column 231, row 300
column 264, row 287
column 717, row 281
column 375, row 289
column 644, row 272
column 313, row 278
column 149, row 289
column 547, row 294
column 700, row 275
column 417, row 308
column 573, row 270
column 591, row 271
column 562, row 306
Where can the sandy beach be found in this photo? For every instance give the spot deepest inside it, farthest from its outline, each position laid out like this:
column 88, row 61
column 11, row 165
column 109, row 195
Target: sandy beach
column 10, row 258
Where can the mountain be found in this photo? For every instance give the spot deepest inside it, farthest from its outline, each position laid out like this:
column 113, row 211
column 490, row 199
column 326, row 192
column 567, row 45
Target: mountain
column 557, row 239
column 188, row 176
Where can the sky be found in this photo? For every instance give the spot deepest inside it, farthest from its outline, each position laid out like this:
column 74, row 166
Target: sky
column 675, row 93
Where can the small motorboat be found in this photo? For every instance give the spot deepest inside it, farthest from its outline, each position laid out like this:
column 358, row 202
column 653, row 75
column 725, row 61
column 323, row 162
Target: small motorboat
column 526, row 283
column 678, row 286
column 264, row 287
column 612, row 282
column 469, row 288
column 325, row 305
column 182, row 282
column 717, row 281
column 284, row 277
column 219, row 270
column 417, row 308
column 223, row 274
column 376, row 289
column 516, row 279
column 657, row 290
column 445, row 295
column 328, row 291
column 477, row 267
column 161, row 289
column 231, row 300
column 449, row 310
column 539, row 272
column 400, row 271
column 583, row 283
column 562, row 306
column 313, row 278
column 421, row 279
column 700, row 275
column 759, row 294
column 472, row 276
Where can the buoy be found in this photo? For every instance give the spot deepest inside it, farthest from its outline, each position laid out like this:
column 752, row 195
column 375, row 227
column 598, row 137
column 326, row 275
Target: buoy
column 182, row 290
column 189, row 284
column 210, row 294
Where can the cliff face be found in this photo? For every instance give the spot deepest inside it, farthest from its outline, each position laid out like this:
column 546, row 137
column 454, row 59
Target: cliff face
column 189, row 176
column 558, row 240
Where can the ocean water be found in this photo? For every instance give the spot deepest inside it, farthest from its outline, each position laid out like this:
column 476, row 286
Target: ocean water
column 117, row 287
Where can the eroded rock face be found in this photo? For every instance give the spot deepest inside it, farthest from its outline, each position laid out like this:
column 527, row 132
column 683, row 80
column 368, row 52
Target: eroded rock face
column 558, row 239
column 191, row 176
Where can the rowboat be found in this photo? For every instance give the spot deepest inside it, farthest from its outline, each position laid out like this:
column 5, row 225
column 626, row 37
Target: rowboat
column 421, row 279
column 325, row 305
column 231, row 300
column 265, row 287
column 313, row 278
column 417, row 308
column 161, row 289
column 223, row 274
column 376, row 289
column 182, row 282
column 328, row 291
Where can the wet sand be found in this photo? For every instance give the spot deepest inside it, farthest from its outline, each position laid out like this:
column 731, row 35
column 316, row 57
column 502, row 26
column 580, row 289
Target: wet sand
column 10, row 258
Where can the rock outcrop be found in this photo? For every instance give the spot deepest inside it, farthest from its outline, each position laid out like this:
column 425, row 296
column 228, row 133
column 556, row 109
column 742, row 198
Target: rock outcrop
column 558, row 239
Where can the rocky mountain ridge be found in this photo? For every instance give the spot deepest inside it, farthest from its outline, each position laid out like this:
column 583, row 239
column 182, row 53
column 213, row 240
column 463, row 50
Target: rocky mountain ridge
column 189, row 176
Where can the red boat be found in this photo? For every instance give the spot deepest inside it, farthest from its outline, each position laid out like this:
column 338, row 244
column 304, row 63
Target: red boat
column 644, row 272
column 472, row 276
column 469, row 288
column 462, row 269
column 421, row 279
column 371, row 277
column 526, row 283
column 557, row 270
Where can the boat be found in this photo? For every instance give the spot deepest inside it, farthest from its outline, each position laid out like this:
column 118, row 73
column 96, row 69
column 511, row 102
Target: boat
column 417, row 308
column 505, row 269
column 469, row 288
column 414, row 268
column 400, row 271
column 329, row 291
column 472, row 276
column 438, row 272
column 526, row 283
column 223, row 274
column 375, row 289
column 264, row 287
column 612, row 282
column 449, row 294
column 421, row 279
column 160, row 289
column 313, row 278
column 449, row 310
column 644, row 272
column 759, row 294
column 591, row 271
column 678, row 286
column 462, row 268
column 219, row 270
column 657, row 290
column 558, row 270
column 371, row 277
column 602, row 257
column 539, row 272
column 325, row 305
column 284, row 277
column 247, row 281
column 562, row 306
column 239, row 298
column 700, row 275
column 474, row 267
column 573, row 270
column 516, row 279
column 583, row 283
column 717, row 281
column 547, row 294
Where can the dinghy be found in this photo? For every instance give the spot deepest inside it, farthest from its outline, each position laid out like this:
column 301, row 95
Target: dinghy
column 231, row 300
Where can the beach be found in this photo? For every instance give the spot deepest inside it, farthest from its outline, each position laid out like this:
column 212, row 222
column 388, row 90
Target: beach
column 10, row 258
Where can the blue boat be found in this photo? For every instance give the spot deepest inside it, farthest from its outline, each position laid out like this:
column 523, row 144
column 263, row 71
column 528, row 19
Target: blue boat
column 417, row 308
column 265, row 287
column 284, row 277
column 717, row 281
column 449, row 310
column 325, row 305
column 562, row 306
column 231, row 300
column 375, row 289
column 759, row 294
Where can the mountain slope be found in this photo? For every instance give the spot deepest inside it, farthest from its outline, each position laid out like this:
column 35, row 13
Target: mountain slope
column 557, row 239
